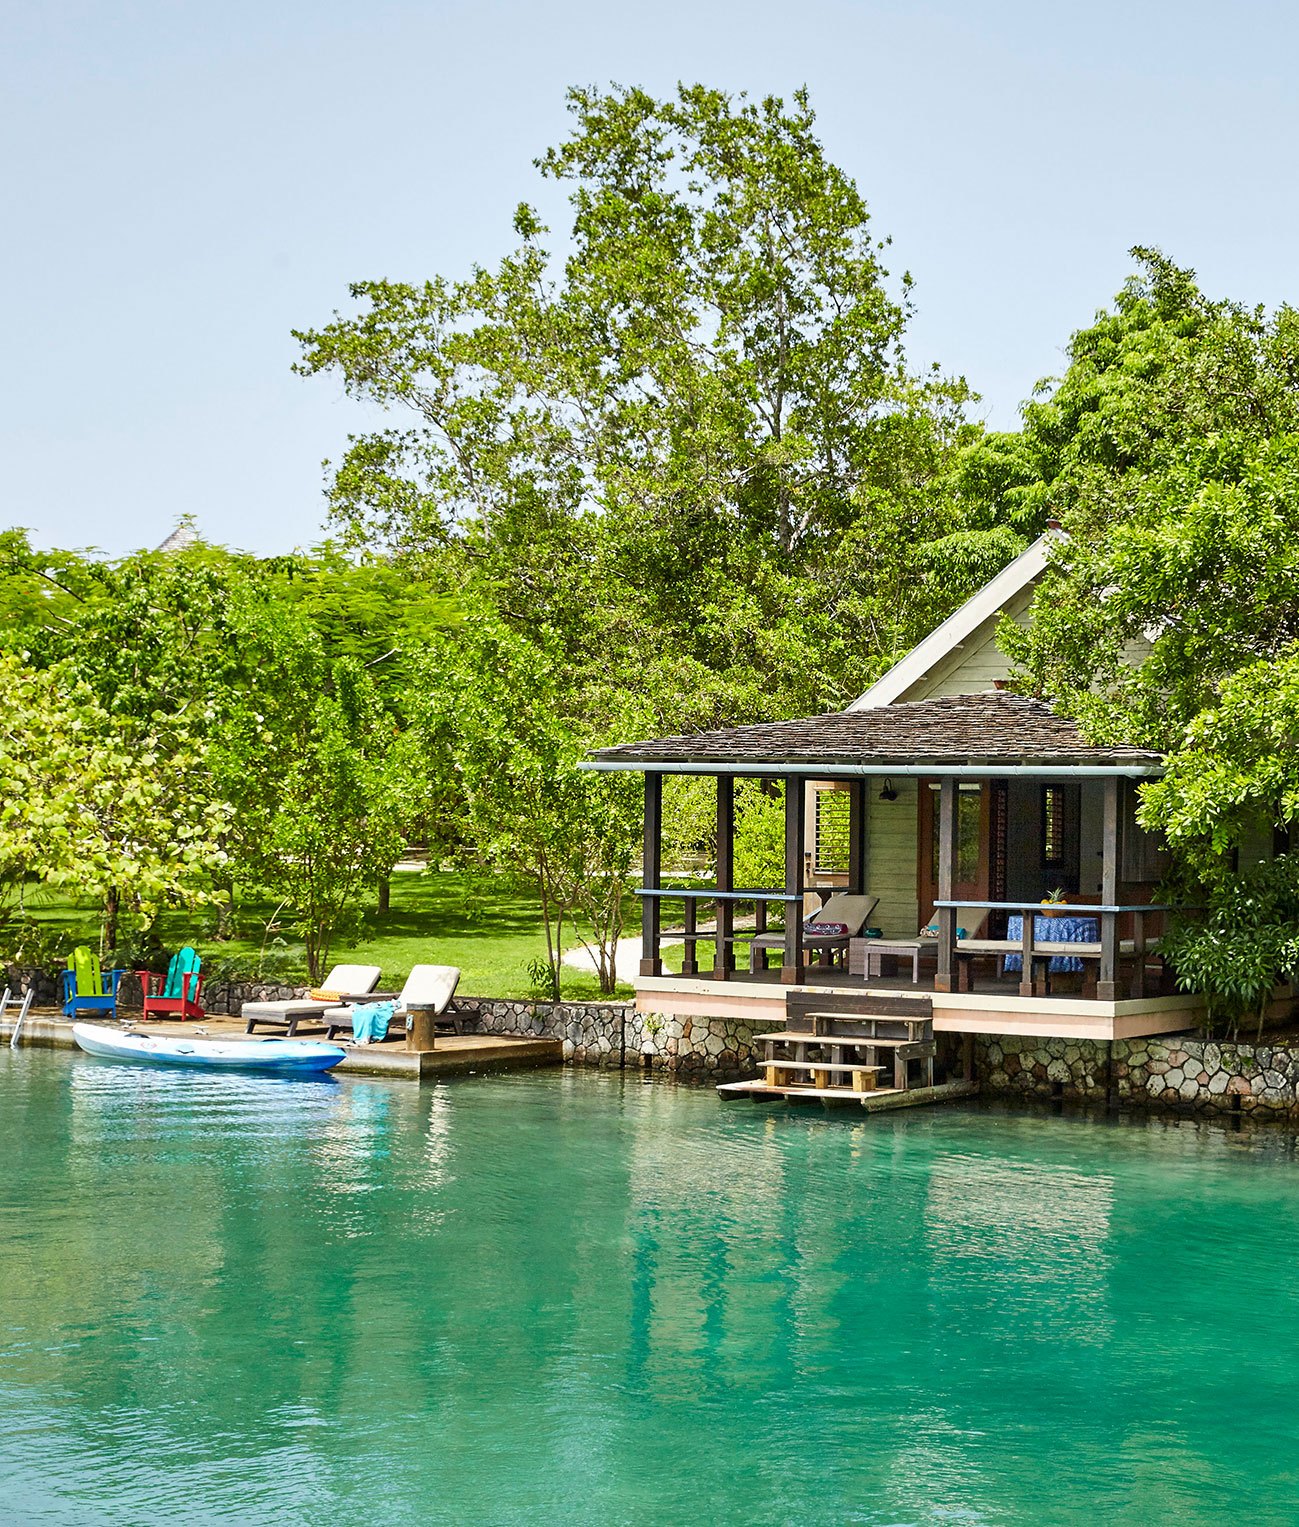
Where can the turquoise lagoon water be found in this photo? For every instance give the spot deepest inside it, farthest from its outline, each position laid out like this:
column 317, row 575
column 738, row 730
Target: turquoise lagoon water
column 583, row 1298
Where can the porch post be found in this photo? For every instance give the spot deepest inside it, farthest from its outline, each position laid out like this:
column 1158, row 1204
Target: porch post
column 689, row 950
column 724, row 948
column 857, row 837
column 1107, row 986
column 651, row 911
column 791, row 970
column 945, row 980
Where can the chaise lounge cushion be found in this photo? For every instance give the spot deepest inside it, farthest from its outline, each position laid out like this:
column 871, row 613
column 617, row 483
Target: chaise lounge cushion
column 845, row 910
column 427, row 987
column 289, row 1012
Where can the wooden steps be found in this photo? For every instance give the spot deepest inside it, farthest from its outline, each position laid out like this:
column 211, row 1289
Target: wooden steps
column 862, row 1078
column 844, row 1041
column 783, row 1064
column 842, row 1044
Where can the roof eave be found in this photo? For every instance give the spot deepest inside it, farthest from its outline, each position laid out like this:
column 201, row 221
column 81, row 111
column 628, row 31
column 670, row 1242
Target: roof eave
column 1138, row 768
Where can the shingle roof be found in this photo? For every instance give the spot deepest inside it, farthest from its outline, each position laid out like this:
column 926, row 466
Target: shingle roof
column 958, row 729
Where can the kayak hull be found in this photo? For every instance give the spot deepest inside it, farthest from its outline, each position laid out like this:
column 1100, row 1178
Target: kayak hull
column 287, row 1057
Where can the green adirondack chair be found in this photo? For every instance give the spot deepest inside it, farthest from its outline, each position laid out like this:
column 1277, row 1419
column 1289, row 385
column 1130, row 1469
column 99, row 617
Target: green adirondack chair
column 177, row 994
column 86, row 988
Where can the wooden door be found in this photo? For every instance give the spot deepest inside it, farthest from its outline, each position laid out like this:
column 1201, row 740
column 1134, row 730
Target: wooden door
column 971, row 874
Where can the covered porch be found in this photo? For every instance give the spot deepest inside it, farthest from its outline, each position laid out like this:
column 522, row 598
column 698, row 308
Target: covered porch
column 953, row 819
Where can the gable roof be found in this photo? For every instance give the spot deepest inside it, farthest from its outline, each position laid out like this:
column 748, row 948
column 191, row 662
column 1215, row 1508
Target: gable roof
column 988, row 733
column 990, row 600
column 182, row 537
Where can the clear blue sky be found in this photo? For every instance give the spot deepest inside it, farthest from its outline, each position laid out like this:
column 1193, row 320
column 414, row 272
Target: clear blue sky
column 187, row 180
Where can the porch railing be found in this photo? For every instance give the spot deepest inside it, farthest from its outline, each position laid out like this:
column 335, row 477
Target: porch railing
column 723, row 936
column 1108, row 953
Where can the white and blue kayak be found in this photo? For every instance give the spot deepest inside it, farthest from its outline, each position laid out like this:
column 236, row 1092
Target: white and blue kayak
column 288, row 1057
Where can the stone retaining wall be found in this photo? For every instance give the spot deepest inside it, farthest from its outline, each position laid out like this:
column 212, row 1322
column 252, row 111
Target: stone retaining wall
column 1173, row 1072
column 615, row 1034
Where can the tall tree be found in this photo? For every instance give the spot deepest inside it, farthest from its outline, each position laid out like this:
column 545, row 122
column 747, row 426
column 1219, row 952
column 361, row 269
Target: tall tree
column 1170, row 617
column 1169, row 449
column 328, row 814
column 693, row 446
column 228, row 677
column 78, row 809
column 491, row 719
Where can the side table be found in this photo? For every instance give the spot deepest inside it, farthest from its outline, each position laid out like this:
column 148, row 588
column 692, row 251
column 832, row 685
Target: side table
column 865, row 954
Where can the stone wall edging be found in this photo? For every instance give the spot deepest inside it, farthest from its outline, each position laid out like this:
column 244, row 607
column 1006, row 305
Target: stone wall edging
column 615, row 1034
column 1177, row 1071
column 602, row 1034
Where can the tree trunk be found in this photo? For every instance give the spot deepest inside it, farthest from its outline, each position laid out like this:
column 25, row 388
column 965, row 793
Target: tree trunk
column 551, row 935
column 225, row 928
column 385, row 895
column 112, row 906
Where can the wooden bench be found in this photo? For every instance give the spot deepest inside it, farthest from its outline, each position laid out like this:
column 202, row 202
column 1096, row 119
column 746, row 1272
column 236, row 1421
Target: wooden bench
column 843, row 1041
column 916, row 1028
column 910, row 1049
column 968, row 949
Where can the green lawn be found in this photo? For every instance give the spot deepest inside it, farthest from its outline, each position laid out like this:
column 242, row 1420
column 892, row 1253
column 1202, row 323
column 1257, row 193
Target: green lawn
column 488, row 927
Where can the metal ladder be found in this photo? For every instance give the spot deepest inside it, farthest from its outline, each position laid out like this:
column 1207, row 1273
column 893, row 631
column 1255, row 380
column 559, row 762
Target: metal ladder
column 22, row 1012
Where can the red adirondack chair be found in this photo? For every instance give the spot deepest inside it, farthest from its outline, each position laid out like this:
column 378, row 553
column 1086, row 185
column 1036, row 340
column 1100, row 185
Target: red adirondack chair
column 178, row 993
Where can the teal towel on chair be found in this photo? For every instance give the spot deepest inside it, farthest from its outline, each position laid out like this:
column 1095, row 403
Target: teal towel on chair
column 370, row 1021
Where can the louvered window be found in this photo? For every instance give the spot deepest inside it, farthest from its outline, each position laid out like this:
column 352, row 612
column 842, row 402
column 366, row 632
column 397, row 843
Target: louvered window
column 1053, row 826
column 832, row 828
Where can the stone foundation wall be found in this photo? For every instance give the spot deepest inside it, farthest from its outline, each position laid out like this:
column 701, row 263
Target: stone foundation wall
column 615, row 1034
column 1173, row 1072
column 19, row 977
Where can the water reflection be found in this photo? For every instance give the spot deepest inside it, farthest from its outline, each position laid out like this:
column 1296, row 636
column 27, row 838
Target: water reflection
column 248, row 1299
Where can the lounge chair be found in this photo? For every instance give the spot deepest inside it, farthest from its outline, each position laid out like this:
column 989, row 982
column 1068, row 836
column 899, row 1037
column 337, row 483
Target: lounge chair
column 429, row 988
column 86, row 988
column 343, row 983
column 178, row 993
column 843, row 907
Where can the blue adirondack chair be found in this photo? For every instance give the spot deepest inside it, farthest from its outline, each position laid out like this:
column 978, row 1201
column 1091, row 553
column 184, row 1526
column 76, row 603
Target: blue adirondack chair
column 87, row 989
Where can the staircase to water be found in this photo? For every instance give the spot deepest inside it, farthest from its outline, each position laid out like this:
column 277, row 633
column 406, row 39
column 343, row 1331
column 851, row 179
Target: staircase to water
column 875, row 1050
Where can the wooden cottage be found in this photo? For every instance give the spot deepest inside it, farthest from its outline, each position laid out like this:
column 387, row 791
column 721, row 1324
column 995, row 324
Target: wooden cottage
column 947, row 807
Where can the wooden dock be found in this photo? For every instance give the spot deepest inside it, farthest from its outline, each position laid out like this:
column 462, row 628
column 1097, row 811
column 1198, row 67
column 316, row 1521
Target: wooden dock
column 882, row 1100
column 452, row 1054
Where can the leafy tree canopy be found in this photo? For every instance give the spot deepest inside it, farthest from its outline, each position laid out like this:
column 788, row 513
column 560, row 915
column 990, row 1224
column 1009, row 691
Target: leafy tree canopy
column 1170, row 617
column 1169, row 450
column 79, row 808
column 693, row 446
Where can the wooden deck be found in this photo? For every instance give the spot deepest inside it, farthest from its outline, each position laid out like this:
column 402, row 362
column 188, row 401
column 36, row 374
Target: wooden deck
column 881, row 1100
column 996, row 1007
column 452, row 1054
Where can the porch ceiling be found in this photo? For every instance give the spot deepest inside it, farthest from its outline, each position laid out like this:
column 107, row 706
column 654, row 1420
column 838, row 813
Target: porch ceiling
column 992, row 733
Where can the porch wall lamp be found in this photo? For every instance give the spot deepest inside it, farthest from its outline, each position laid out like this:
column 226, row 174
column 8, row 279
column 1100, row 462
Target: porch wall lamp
column 888, row 793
